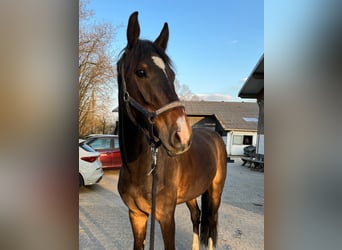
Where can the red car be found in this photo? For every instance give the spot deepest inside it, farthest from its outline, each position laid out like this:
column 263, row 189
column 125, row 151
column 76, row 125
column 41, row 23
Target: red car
column 108, row 147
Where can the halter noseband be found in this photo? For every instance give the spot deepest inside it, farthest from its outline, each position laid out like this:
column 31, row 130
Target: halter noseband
column 149, row 115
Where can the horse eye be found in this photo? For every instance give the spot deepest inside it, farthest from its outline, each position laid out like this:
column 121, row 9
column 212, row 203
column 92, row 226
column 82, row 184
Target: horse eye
column 140, row 73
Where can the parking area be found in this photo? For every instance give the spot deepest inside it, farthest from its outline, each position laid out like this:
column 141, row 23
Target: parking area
column 104, row 222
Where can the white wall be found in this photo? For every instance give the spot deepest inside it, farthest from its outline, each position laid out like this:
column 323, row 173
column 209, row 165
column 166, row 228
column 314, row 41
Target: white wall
column 233, row 149
column 260, row 145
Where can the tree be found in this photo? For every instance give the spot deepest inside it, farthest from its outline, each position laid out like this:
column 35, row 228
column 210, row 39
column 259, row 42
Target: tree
column 184, row 92
column 96, row 73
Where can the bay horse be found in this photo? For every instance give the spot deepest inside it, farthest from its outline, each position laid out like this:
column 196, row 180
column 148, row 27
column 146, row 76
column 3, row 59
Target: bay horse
column 190, row 162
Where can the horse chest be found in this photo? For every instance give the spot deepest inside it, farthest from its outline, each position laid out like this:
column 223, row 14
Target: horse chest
column 136, row 190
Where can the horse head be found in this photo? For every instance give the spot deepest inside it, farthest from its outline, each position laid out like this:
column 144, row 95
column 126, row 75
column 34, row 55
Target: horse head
column 147, row 91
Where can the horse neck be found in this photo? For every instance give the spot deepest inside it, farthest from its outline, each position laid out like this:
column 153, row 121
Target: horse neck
column 133, row 143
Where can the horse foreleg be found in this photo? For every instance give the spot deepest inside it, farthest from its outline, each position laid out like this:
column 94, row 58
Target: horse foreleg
column 167, row 226
column 195, row 218
column 139, row 223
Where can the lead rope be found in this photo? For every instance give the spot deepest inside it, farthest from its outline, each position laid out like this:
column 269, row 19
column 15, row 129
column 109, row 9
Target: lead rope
column 154, row 150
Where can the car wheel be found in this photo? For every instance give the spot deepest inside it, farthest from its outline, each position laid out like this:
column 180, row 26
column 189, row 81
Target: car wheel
column 81, row 182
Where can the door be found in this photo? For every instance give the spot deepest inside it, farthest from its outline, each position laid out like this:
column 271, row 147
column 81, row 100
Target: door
column 116, row 153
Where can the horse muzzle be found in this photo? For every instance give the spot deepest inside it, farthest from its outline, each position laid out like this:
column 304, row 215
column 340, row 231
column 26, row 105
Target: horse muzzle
column 180, row 139
column 178, row 148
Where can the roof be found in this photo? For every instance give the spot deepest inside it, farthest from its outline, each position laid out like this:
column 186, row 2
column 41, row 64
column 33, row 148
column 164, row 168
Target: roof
column 101, row 135
column 254, row 84
column 231, row 115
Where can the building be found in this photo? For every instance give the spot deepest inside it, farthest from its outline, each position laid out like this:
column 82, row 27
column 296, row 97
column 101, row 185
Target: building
column 254, row 88
column 236, row 122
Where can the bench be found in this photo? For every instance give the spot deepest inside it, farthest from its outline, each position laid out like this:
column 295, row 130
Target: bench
column 258, row 163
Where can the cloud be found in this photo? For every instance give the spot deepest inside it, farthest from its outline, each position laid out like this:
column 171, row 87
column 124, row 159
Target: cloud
column 243, row 80
column 215, row 97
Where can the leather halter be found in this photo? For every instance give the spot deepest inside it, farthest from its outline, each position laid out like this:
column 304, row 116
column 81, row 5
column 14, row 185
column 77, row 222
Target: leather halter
column 149, row 115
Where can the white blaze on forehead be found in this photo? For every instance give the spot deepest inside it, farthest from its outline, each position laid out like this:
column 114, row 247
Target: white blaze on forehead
column 160, row 63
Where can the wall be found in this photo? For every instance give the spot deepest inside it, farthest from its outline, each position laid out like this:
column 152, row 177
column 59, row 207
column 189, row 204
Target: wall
column 260, row 143
column 203, row 122
column 233, row 149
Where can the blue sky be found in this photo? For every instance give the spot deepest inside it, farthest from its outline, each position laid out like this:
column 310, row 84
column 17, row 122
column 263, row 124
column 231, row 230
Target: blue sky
column 214, row 45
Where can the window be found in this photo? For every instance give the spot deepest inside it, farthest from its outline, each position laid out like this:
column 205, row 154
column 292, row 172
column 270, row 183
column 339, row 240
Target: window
column 247, row 140
column 250, row 119
column 102, row 143
column 242, row 140
column 237, row 139
column 116, row 143
column 87, row 148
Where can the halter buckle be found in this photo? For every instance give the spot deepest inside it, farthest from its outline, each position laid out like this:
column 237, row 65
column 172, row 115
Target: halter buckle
column 126, row 96
column 154, row 151
column 152, row 117
column 154, row 154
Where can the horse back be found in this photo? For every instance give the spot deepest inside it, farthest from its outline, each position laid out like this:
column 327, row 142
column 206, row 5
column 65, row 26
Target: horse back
column 207, row 147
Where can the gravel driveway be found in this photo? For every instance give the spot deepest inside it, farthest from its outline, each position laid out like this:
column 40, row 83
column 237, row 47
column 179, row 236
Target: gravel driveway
column 104, row 223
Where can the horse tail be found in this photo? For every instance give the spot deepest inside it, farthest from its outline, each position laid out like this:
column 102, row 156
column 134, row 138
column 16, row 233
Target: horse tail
column 208, row 228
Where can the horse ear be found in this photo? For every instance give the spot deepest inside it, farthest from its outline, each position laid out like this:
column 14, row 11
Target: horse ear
column 133, row 30
column 163, row 37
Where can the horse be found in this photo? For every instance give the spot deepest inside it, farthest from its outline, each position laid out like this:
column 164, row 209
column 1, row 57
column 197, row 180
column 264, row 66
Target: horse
column 189, row 162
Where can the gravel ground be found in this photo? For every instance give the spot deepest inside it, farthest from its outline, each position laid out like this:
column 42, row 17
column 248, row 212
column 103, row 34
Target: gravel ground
column 104, row 223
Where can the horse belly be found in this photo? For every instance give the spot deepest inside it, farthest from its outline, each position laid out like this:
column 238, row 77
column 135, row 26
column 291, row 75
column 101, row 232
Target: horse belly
column 192, row 192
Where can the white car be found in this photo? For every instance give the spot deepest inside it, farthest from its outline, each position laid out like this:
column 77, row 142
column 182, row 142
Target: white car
column 90, row 166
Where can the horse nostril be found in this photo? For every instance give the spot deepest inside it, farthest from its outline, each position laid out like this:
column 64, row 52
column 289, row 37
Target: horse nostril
column 175, row 140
